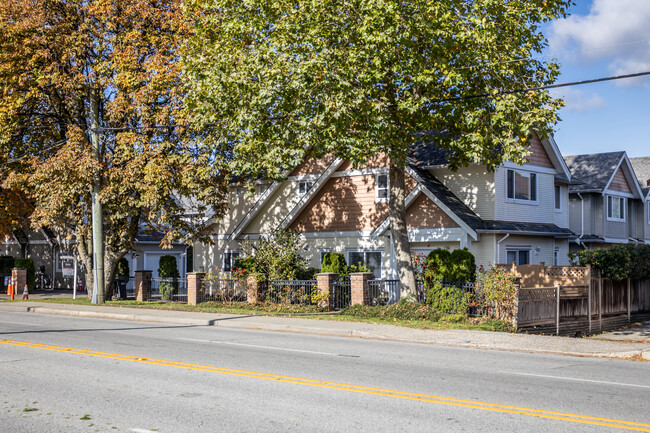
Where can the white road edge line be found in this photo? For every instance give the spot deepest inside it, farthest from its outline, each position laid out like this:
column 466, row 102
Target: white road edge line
column 22, row 323
column 576, row 379
column 260, row 347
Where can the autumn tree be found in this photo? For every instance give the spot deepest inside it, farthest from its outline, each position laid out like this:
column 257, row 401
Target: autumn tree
column 74, row 69
column 290, row 79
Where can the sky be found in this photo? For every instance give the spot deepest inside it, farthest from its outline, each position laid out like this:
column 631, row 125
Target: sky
column 602, row 38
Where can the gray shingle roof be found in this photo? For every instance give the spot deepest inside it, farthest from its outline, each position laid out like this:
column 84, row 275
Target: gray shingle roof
column 468, row 216
column 641, row 168
column 594, row 170
column 536, row 228
column 447, row 197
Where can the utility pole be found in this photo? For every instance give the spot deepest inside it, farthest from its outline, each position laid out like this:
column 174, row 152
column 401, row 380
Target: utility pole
column 98, row 219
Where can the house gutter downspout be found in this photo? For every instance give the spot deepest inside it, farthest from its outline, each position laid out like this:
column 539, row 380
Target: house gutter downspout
column 498, row 247
column 582, row 220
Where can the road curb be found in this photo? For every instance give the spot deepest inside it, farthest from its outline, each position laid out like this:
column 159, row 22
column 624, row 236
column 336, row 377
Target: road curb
column 255, row 323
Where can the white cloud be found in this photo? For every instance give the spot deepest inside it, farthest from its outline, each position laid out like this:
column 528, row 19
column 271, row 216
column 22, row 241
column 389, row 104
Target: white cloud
column 577, row 100
column 616, row 31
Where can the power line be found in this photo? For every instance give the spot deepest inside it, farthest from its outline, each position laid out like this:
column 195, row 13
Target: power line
column 532, row 89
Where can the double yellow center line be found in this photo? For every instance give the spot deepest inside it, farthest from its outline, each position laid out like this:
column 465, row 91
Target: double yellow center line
column 561, row 416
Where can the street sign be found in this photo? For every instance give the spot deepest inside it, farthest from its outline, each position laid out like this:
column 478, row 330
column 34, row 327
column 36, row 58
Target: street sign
column 67, row 266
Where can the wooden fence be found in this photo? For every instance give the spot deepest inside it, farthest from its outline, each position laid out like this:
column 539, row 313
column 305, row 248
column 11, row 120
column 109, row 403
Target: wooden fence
column 572, row 300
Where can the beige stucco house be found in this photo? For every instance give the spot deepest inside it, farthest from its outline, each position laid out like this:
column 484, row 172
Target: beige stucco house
column 516, row 213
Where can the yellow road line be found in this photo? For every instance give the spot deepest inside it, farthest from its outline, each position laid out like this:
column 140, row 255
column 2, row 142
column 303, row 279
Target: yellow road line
column 539, row 413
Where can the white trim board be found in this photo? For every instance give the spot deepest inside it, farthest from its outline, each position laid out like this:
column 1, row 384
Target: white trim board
column 305, row 199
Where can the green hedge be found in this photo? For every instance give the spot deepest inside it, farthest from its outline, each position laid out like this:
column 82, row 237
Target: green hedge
column 618, row 262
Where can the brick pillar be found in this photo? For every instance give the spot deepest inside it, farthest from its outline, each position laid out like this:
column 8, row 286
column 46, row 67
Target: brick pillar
column 255, row 292
column 20, row 278
column 142, row 285
column 195, row 287
column 359, row 286
column 325, row 284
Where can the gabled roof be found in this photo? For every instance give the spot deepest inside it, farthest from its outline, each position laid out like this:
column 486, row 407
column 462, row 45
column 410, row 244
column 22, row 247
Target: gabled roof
column 447, row 198
column 594, row 170
column 426, row 154
column 641, row 168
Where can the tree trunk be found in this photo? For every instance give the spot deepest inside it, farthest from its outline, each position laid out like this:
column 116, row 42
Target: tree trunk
column 397, row 215
column 84, row 251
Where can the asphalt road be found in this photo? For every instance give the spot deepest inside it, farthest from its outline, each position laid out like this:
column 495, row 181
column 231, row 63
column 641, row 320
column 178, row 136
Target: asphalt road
column 72, row 374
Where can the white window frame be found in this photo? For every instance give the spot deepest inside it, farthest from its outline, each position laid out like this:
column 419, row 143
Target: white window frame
column 518, row 250
column 511, row 195
column 609, row 205
column 261, row 188
column 304, row 186
column 365, row 259
column 558, row 198
column 378, row 198
column 232, row 259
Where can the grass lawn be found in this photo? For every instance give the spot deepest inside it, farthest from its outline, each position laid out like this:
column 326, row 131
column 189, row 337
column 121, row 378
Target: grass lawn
column 407, row 314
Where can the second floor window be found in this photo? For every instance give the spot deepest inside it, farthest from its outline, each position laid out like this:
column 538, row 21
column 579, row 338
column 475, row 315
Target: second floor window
column 521, row 186
column 615, row 208
column 381, row 188
column 558, row 198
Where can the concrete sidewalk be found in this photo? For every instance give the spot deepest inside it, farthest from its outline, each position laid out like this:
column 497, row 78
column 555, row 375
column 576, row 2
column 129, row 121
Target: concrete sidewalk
column 631, row 343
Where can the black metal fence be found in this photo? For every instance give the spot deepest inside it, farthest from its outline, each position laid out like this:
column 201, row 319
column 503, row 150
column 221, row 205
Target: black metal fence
column 224, row 290
column 293, row 292
column 379, row 291
column 341, row 292
column 169, row 289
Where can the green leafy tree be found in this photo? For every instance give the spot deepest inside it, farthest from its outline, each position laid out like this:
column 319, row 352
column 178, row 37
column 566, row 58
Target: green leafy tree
column 285, row 80
column 76, row 72
column 277, row 256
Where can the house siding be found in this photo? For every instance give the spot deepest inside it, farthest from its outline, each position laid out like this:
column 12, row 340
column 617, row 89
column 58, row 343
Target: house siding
column 379, row 160
column 561, row 219
column 424, row 213
column 473, row 185
column 619, row 183
column 546, row 246
column 538, row 154
column 313, row 166
column 275, row 209
column 484, row 250
column 343, row 204
column 541, row 212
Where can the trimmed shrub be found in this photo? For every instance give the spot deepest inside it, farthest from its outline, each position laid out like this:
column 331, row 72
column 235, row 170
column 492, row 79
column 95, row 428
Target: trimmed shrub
column 438, row 266
column 6, row 264
column 334, row 262
column 167, row 269
column 463, row 265
column 27, row 264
